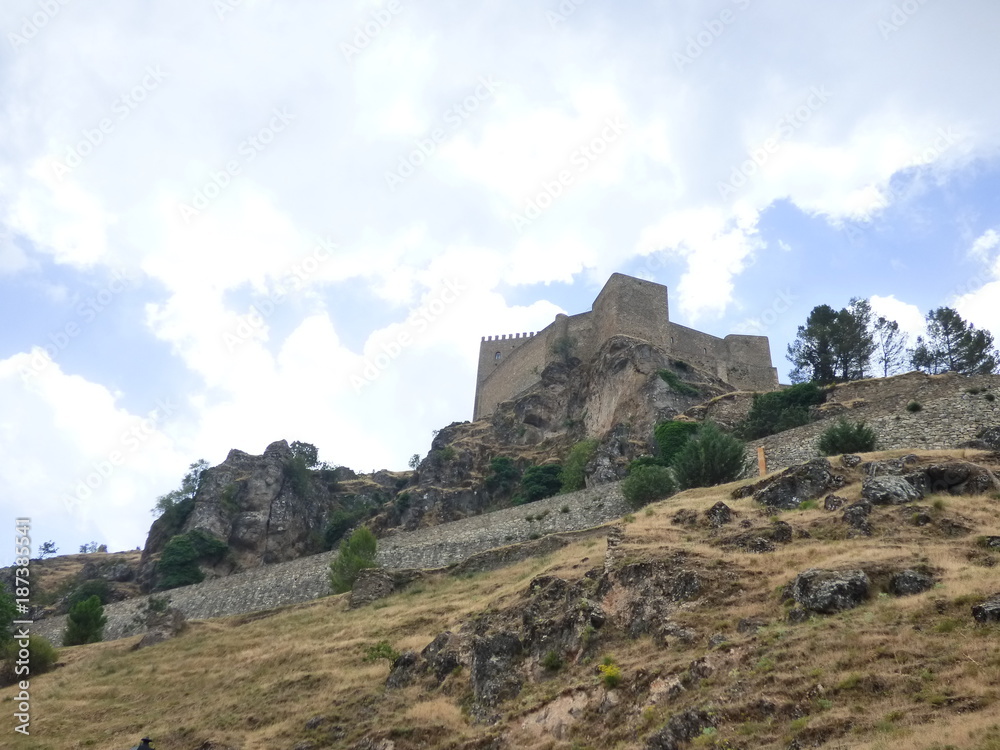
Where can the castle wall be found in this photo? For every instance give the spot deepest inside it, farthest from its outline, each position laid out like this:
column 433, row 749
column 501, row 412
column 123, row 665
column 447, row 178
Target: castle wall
column 521, row 361
column 632, row 307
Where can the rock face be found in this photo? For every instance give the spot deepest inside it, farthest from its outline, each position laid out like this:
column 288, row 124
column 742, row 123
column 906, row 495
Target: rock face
column 794, row 485
column 830, row 591
column 260, row 506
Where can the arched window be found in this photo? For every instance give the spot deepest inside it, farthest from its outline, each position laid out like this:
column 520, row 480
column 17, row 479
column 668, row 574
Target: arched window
column 496, row 356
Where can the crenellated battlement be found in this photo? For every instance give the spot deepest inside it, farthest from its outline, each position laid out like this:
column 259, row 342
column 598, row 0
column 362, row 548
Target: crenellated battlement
column 511, row 363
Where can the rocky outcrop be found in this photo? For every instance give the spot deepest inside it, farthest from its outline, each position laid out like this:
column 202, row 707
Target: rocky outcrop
column 987, row 611
column 889, row 490
column 265, row 508
column 794, row 485
column 161, row 626
column 830, row 591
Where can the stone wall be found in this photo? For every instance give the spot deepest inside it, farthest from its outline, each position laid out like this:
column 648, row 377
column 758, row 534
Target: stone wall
column 522, row 357
column 949, row 415
column 306, row 578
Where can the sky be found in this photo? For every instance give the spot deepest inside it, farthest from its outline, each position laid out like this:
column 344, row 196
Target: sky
column 229, row 222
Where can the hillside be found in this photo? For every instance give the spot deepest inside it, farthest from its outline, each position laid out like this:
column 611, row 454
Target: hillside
column 692, row 607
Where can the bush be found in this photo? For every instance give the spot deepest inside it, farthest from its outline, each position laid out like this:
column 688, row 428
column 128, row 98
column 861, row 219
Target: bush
column 648, row 483
column 340, row 522
column 297, row 473
column 579, row 456
column 539, row 482
column 173, row 518
column 381, row 650
column 178, row 565
column 913, row 406
column 677, row 385
column 709, row 458
column 611, row 673
column 780, row 410
column 41, row 656
column 844, row 437
column 552, row 661
column 357, row 552
column 990, row 397
column 503, row 476
column 671, row 437
column 97, row 587
column 85, row 623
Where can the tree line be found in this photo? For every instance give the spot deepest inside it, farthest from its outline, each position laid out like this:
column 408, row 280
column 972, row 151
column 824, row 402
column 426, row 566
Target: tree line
column 852, row 343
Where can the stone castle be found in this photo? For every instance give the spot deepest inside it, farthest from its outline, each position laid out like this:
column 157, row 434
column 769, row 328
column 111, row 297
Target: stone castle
column 626, row 306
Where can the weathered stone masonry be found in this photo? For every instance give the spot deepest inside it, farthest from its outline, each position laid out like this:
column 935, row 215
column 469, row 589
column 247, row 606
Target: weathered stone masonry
column 511, row 363
column 306, row 579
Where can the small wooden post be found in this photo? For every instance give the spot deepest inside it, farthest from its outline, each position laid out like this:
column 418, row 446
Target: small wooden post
column 761, row 461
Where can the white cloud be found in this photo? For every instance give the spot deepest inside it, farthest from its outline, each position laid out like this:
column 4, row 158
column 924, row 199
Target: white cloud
column 984, row 245
column 911, row 320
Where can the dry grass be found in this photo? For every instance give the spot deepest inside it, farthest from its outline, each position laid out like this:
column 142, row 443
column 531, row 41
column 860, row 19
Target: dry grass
column 913, row 672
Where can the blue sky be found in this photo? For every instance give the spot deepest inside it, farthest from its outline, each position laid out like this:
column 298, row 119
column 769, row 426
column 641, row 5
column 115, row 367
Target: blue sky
column 217, row 216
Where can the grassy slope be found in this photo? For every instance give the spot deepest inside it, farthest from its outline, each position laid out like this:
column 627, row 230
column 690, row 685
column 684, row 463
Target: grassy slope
column 911, row 672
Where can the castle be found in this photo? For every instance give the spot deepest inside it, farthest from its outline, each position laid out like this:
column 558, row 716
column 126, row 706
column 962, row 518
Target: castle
column 626, row 306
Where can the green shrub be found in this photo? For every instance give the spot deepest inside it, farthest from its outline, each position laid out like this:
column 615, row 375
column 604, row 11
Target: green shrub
column 539, row 482
column 228, row 497
column 844, row 437
column 297, row 473
column 41, row 656
column 648, row 483
column 178, row 565
column 611, row 673
column 503, row 476
column 552, row 661
column 579, row 456
column 671, row 437
column 340, row 522
column 677, row 385
column 381, row 650
column 709, row 458
column 990, row 397
column 173, row 518
column 913, row 406
column 356, row 553
column 97, row 587
column 85, row 623
column 780, row 410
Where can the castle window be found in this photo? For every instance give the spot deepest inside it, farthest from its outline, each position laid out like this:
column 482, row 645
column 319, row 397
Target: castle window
column 496, row 356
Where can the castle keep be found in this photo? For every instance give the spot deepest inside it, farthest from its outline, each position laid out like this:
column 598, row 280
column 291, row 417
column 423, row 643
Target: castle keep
column 512, row 363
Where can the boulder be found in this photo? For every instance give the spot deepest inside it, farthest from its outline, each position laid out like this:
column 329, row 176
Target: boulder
column 909, row 582
column 794, row 485
column 680, row 730
column 955, row 478
column 830, row 591
column 161, row 626
column 833, row 502
column 991, row 437
column 889, row 490
column 495, row 673
column 987, row 611
column 404, row 670
column 856, row 516
column 850, row 460
column 719, row 514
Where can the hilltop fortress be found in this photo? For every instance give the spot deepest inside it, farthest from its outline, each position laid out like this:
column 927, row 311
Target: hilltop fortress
column 510, row 364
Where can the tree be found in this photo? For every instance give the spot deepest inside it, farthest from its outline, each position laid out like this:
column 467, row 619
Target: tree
column 306, row 452
column 503, row 477
column 671, row 437
column 781, row 410
column 573, row 473
column 88, row 548
column 539, row 482
column 953, row 345
column 890, row 346
column 187, row 490
column 845, row 437
column 414, row 461
column 357, row 552
column 833, row 345
column 644, row 484
column 709, row 458
column 85, row 623
column 46, row 549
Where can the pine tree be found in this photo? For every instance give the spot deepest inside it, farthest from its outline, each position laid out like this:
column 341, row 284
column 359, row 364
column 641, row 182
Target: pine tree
column 85, row 623
column 833, row 345
column 953, row 345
